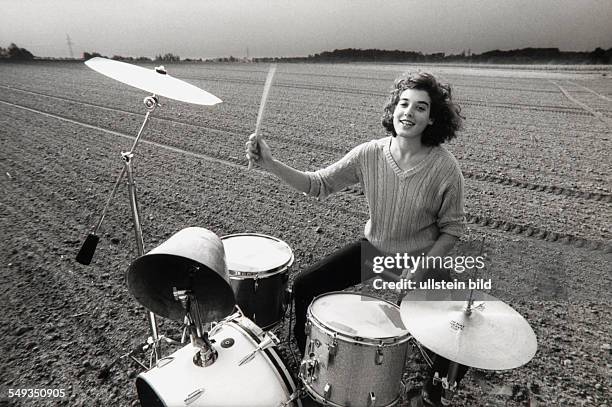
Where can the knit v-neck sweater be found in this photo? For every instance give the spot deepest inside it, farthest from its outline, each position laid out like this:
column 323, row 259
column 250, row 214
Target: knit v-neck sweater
column 409, row 209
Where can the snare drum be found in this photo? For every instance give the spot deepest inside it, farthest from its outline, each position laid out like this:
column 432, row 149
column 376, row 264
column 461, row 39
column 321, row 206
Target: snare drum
column 258, row 270
column 355, row 351
column 261, row 382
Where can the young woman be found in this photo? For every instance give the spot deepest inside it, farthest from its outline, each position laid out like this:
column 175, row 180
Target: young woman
column 413, row 186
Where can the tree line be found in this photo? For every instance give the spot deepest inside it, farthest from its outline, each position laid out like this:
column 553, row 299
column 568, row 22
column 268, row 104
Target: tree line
column 516, row 56
column 13, row 52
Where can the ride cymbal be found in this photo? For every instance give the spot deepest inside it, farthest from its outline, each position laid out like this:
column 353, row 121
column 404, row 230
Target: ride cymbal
column 152, row 80
column 492, row 335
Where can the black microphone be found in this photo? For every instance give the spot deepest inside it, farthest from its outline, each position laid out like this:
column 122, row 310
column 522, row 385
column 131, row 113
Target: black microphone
column 88, row 249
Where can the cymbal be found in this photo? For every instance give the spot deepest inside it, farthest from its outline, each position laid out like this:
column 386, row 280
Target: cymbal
column 492, row 336
column 192, row 259
column 160, row 84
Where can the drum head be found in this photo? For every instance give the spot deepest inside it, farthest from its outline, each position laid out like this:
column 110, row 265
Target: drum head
column 255, row 253
column 358, row 315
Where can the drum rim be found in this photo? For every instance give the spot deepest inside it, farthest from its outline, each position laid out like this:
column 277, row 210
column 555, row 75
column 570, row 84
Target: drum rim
column 281, row 370
column 246, row 275
column 362, row 340
column 310, row 390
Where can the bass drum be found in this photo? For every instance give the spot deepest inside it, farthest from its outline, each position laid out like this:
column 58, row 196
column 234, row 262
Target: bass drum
column 264, row 381
column 355, row 352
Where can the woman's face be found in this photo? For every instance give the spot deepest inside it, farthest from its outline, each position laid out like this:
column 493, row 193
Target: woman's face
column 411, row 114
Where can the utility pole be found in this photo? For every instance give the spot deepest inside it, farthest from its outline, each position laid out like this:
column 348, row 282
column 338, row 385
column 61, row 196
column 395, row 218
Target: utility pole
column 69, row 42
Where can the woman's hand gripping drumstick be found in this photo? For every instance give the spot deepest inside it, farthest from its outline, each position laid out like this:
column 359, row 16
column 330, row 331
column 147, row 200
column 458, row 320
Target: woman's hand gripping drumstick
column 255, row 145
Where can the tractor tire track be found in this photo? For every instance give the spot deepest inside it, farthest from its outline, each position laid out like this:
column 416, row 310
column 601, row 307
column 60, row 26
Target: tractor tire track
column 537, row 187
column 524, row 229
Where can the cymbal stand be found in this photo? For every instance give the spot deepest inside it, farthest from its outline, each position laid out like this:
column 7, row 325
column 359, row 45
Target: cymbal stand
column 207, row 355
column 423, row 352
column 449, row 383
column 86, row 253
column 470, row 300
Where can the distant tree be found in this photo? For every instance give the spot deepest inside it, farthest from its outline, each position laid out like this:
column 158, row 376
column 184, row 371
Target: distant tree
column 169, row 57
column 19, row 54
column 598, row 56
column 87, row 55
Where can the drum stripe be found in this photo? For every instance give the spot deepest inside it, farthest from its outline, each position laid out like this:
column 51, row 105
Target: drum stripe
column 290, row 386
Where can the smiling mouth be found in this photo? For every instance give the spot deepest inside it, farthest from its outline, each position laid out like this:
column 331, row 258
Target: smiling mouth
column 407, row 123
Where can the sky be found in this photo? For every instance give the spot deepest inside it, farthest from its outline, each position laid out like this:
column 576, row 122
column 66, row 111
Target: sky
column 219, row 28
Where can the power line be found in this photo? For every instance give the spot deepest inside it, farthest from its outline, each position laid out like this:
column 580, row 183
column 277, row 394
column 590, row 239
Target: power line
column 69, row 42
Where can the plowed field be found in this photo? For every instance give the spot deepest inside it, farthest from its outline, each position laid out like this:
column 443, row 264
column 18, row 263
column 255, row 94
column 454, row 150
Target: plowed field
column 536, row 153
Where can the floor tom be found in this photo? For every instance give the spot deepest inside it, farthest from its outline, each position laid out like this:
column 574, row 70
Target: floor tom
column 355, row 351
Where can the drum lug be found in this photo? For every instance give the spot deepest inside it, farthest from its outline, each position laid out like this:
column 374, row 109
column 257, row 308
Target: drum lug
column 193, row 396
column 371, row 399
column 309, row 369
column 327, row 391
column 332, row 348
column 268, row 341
column 307, row 328
column 312, row 344
column 379, row 355
column 164, row 361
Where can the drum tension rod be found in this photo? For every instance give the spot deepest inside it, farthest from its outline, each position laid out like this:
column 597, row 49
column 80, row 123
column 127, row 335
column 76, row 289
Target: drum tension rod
column 270, row 341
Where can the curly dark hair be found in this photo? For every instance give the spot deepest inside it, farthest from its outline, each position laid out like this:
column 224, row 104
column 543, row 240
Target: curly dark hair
column 446, row 114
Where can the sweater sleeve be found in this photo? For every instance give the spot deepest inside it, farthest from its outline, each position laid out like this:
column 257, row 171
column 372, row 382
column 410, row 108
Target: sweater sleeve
column 451, row 218
column 337, row 176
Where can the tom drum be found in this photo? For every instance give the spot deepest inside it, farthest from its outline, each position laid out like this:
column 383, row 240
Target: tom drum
column 258, row 269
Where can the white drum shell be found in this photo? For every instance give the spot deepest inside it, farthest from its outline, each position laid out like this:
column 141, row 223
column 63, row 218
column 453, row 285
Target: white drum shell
column 359, row 367
column 257, row 383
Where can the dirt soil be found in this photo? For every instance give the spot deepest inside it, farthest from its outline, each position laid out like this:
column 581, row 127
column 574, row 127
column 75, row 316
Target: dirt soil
column 544, row 211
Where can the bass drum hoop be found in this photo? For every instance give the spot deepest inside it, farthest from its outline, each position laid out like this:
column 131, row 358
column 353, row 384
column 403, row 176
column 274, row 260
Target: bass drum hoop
column 355, row 339
column 249, row 275
column 275, row 362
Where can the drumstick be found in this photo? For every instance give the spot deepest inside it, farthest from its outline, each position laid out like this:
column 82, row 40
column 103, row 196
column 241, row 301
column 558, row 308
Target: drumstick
column 262, row 105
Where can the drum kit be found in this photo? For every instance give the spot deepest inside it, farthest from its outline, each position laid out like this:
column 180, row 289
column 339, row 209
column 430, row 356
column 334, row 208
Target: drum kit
column 231, row 292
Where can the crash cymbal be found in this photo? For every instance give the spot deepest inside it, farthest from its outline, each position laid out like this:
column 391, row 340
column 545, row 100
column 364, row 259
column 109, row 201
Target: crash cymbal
column 491, row 336
column 155, row 81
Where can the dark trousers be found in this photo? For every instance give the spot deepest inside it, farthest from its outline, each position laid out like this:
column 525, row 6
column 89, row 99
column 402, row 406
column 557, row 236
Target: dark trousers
column 335, row 272
column 342, row 269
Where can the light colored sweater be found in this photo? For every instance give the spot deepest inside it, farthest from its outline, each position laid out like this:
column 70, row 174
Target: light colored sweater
column 408, row 209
